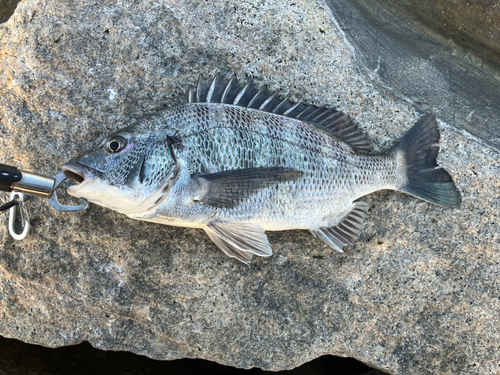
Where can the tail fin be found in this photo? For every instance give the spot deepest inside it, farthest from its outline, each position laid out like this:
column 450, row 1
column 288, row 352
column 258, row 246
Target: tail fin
column 423, row 180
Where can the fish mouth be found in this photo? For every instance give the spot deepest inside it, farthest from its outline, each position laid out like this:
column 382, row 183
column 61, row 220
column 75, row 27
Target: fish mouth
column 79, row 172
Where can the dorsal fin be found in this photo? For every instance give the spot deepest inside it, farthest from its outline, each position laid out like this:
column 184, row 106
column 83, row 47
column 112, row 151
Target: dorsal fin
column 232, row 92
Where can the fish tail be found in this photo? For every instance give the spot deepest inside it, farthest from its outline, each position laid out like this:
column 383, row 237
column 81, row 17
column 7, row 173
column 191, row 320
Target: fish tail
column 422, row 177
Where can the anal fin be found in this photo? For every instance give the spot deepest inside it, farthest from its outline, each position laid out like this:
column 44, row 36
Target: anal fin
column 240, row 240
column 349, row 227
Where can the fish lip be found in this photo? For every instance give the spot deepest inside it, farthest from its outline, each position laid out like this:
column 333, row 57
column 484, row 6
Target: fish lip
column 79, row 172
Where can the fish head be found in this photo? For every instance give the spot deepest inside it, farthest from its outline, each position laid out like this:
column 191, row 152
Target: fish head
column 125, row 171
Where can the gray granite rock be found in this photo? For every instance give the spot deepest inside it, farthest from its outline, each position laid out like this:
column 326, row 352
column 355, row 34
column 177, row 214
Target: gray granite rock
column 418, row 293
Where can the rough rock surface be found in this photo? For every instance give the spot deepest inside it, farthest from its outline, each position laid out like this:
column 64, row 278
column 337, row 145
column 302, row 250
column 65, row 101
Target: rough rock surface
column 418, row 293
column 441, row 56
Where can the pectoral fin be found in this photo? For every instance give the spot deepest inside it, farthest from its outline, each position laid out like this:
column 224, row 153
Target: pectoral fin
column 349, row 227
column 240, row 240
column 227, row 189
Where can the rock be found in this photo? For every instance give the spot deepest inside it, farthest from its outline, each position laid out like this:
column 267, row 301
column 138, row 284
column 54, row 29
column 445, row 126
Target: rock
column 440, row 56
column 416, row 294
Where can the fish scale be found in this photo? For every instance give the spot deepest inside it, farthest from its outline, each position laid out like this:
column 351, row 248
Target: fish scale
column 236, row 161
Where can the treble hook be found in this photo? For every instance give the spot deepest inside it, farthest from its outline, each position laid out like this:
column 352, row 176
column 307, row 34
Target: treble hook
column 12, row 216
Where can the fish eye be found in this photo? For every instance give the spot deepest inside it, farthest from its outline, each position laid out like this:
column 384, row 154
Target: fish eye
column 116, row 144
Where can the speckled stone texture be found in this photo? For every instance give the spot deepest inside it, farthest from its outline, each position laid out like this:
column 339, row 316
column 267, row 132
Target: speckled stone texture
column 417, row 294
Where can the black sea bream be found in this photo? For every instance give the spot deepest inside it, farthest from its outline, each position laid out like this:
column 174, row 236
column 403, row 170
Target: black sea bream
column 236, row 161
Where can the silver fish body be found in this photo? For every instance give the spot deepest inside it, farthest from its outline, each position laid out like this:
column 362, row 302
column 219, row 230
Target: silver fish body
column 236, row 161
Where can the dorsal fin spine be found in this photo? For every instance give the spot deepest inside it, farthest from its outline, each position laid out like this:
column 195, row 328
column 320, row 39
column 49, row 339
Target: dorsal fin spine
column 325, row 113
column 314, row 112
column 211, row 89
column 346, row 132
column 256, row 96
column 263, row 105
column 198, row 87
column 190, row 94
column 291, row 109
column 228, row 87
column 329, row 118
column 241, row 93
column 301, row 113
column 280, row 105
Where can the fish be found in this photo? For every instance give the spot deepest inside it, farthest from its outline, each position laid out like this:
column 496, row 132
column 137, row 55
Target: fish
column 237, row 161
